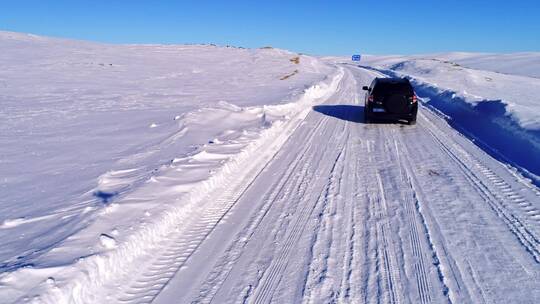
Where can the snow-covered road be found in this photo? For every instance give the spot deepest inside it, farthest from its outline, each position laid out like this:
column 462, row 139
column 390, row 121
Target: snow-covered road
column 347, row 212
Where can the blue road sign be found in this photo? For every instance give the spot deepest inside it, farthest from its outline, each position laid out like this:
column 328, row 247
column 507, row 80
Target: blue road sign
column 356, row 57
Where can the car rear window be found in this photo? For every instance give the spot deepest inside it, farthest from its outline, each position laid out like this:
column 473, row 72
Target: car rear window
column 386, row 88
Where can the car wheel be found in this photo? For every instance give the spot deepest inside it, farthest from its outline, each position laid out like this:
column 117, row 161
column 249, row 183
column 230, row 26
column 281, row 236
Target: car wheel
column 412, row 122
column 366, row 116
column 367, row 119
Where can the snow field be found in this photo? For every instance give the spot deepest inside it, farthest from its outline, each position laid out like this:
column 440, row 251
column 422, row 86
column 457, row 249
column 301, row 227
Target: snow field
column 86, row 127
column 91, row 278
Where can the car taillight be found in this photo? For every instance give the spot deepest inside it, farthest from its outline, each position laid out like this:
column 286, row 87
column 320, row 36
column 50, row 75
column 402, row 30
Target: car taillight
column 414, row 99
column 370, row 98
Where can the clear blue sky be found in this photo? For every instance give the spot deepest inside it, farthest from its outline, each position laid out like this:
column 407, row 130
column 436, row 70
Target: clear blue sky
column 315, row 27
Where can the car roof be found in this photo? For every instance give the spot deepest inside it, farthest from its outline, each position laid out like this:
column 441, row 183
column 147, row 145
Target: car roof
column 392, row 80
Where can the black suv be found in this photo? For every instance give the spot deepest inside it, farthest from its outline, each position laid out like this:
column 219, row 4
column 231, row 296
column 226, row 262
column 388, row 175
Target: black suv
column 392, row 98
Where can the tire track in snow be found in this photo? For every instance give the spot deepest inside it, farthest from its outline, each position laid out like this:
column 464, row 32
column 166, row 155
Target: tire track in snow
column 387, row 253
column 416, row 221
column 289, row 180
column 325, row 237
column 388, row 244
column 349, row 290
column 420, row 273
column 271, row 268
column 508, row 194
column 470, row 272
column 361, row 264
column 386, row 269
column 265, row 288
column 376, row 273
column 493, row 194
column 350, row 254
column 329, row 268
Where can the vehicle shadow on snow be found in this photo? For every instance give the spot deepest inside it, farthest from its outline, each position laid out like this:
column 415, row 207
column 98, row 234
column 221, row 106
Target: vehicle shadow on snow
column 353, row 113
column 343, row 112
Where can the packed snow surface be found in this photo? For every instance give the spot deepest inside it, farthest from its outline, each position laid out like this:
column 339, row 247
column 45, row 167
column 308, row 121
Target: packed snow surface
column 198, row 173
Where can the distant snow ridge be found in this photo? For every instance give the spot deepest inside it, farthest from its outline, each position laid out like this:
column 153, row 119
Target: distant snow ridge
column 523, row 64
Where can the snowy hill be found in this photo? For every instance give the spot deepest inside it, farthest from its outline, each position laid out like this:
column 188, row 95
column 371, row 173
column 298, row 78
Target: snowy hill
column 86, row 123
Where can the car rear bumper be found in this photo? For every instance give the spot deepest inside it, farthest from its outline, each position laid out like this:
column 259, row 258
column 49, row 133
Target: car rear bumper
column 386, row 115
